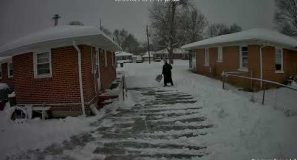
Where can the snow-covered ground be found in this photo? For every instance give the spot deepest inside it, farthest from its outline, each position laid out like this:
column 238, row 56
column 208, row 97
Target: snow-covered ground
column 244, row 129
column 196, row 116
column 20, row 136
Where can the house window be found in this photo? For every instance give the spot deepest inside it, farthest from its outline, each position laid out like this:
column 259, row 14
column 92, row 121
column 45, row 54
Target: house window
column 206, row 57
column 10, row 70
column 243, row 57
column 220, row 54
column 278, row 59
column 42, row 64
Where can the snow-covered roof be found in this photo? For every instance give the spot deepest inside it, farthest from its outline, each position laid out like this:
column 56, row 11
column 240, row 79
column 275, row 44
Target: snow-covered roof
column 175, row 51
column 59, row 36
column 5, row 59
column 146, row 54
column 123, row 54
column 252, row 36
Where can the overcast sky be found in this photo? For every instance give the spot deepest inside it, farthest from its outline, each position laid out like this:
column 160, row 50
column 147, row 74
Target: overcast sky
column 21, row 17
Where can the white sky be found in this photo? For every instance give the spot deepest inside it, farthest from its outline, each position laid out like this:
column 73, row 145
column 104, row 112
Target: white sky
column 21, row 17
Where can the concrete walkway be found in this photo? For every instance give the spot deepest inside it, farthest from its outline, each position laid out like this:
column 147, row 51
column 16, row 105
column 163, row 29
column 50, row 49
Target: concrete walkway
column 163, row 124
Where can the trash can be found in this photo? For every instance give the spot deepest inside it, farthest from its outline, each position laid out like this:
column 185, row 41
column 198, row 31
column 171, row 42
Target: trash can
column 12, row 99
column 122, row 65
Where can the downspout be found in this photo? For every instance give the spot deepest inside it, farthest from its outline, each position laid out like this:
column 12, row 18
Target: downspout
column 261, row 65
column 80, row 78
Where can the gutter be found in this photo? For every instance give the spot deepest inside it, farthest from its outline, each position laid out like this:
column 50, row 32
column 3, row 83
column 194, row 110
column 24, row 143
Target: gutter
column 80, row 79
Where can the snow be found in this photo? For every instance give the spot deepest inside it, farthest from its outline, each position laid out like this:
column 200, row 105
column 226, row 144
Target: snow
column 146, row 54
column 123, row 54
column 3, row 86
column 49, row 35
column 252, row 36
column 243, row 129
column 175, row 51
column 38, row 134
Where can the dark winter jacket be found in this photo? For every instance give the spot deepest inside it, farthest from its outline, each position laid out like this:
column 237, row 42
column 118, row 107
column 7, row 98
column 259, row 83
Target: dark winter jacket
column 167, row 69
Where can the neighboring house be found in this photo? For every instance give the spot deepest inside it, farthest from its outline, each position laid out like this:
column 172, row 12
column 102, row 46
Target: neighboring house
column 178, row 53
column 148, row 56
column 257, row 53
column 124, row 57
column 64, row 67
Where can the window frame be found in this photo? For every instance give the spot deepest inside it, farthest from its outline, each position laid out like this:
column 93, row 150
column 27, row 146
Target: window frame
column 241, row 68
column 8, row 70
column 220, row 55
column 36, row 75
column 206, row 58
column 282, row 59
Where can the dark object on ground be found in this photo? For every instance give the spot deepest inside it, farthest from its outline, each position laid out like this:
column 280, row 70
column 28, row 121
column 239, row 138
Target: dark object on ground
column 2, row 105
column 4, row 93
column 159, row 78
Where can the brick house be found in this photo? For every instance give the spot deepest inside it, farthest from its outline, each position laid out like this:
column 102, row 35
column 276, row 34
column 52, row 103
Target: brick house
column 178, row 53
column 256, row 53
column 64, row 67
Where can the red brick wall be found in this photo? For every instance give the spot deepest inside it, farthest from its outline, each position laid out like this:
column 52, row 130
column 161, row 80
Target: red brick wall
column 62, row 87
column 5, row 78
column 107, row 73
column 88, row 53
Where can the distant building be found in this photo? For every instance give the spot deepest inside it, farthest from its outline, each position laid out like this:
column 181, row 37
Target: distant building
column 146, row 56
column 178, row 53
column 124, row 57
column 257, row 53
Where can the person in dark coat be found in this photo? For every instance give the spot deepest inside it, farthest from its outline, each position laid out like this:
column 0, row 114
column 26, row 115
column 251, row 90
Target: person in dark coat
column 167, row 73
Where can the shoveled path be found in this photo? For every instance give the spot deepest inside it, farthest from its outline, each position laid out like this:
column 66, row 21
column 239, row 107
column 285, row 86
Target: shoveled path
column 165, row 124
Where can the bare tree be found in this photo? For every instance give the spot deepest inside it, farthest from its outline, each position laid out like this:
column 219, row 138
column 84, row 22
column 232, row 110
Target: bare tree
column 221, row 29
column 191, row 25
column 286, row 16
column 174, row 23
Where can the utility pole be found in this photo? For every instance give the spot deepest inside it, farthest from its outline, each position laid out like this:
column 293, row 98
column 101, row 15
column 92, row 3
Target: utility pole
column 148, row 43
column 56, row 18
column 100, row 25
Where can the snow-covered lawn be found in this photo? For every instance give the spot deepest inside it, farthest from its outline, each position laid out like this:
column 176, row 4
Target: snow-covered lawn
column 243, row 129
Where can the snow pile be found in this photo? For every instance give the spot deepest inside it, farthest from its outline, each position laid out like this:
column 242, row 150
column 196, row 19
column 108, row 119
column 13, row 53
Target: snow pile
column 243, row 129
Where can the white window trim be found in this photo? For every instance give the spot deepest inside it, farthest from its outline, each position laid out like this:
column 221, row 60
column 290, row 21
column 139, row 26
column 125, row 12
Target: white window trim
column 282, row 60
column 105, row 58
column 241, row 68
column 206, row 52
column 8, row 70
column 35, row 64
column 220, row 50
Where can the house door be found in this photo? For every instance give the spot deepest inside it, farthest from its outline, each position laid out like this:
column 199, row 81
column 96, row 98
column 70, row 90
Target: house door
column 98, row 71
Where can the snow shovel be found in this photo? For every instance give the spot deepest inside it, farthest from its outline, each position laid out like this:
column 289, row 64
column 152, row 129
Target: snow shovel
column 159, row 78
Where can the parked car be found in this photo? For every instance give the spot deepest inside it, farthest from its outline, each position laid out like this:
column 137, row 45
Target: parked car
column 139, row 59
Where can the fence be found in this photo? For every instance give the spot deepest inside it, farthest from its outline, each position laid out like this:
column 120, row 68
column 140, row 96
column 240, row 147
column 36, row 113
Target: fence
column 281, row 97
